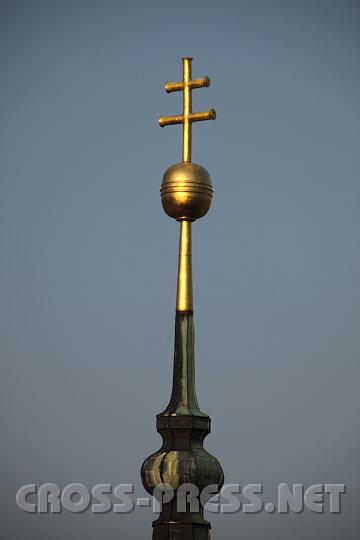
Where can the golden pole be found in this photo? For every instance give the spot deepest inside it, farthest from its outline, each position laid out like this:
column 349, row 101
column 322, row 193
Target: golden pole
column 184, row 297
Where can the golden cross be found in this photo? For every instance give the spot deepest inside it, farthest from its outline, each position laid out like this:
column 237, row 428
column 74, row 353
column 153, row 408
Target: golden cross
column 188, row 117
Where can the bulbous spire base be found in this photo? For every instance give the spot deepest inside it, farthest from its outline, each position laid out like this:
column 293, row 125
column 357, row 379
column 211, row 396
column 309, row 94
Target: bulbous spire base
column 182, row 460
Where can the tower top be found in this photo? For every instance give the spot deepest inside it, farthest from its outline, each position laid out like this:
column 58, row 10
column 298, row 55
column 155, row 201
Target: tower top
column 187, row 117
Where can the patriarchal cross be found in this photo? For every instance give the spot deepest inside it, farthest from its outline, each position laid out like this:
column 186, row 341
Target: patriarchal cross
column 188, row 117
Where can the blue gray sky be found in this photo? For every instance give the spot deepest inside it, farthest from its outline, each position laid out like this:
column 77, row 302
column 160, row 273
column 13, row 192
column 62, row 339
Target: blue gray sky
column 88, row 258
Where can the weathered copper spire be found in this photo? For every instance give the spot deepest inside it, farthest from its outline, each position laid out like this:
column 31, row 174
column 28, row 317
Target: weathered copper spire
column 186, row 194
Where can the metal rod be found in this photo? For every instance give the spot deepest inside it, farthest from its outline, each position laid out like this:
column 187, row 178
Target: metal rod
column 184, row 297
column 200, row 116
column 168, row 120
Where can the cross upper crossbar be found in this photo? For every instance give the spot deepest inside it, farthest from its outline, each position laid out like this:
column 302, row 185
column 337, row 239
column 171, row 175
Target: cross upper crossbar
column 188, row 117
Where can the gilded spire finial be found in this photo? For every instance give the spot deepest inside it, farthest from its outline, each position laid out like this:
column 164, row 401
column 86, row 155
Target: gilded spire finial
column 188, row 117
column 186, row 194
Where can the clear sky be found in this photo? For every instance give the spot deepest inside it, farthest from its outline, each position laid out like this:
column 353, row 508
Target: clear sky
column 88, row 258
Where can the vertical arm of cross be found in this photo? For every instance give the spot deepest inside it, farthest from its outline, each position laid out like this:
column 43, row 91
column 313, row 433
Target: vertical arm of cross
column 187, row 108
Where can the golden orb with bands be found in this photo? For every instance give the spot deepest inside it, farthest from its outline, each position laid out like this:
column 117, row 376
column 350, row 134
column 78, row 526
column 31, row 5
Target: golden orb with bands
column 186, row 191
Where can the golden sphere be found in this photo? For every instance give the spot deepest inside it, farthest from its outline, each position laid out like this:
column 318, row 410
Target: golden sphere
column 186, row 191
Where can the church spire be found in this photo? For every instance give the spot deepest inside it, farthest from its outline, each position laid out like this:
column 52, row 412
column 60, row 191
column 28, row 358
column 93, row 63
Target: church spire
column 186, row 194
